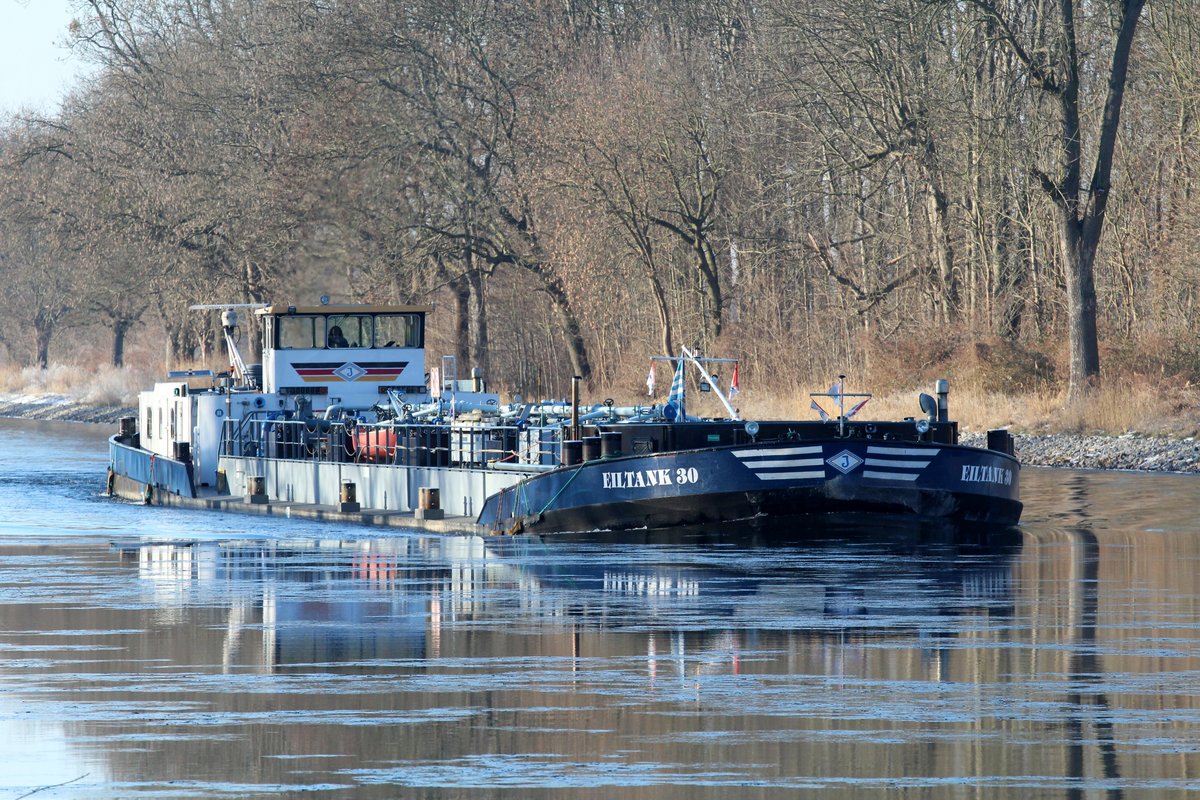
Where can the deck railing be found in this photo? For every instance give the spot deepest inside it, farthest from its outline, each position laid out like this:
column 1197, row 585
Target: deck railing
column 414, row 445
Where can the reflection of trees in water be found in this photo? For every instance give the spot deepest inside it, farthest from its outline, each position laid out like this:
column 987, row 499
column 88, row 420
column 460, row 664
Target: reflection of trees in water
column 1086, row 670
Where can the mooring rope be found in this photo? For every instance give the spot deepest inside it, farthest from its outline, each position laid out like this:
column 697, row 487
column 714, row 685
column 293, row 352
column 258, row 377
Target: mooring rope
column 562, row 488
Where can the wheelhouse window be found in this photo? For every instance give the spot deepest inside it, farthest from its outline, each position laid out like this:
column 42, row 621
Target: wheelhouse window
column 398, row 330
column 316, row 331
column 301, row 332
column 349, row 330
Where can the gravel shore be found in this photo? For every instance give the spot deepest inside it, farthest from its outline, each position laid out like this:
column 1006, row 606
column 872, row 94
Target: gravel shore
column 60, row 408
column 1129, row 451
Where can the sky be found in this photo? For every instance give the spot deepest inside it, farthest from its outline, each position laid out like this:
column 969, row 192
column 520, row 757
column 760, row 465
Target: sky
column 36, row 69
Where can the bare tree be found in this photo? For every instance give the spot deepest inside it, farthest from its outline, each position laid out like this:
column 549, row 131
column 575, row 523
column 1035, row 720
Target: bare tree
column 1046, row 44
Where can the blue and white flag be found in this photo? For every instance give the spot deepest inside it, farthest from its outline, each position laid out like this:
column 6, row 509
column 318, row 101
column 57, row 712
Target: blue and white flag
column 650, row 380
column 676, row 397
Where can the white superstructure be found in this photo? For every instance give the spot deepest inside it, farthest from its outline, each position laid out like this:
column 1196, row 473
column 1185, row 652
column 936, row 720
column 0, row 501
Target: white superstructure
column 346, row 356
column 323, row 359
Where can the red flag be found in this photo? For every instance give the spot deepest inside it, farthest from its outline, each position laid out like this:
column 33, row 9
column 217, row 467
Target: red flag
column 856, row 409
column 734, row 388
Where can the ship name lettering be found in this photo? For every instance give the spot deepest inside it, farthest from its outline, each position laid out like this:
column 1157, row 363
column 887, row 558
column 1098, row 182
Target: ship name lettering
column 973, row 473
column 639, row 479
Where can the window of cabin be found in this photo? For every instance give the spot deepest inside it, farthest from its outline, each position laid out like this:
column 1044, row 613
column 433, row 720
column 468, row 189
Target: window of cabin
column 300, row 332
column 349, row 330
column 398, row 330
column 149, row 430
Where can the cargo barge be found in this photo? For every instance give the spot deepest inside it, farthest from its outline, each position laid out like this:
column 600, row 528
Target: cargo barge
column 344, row 413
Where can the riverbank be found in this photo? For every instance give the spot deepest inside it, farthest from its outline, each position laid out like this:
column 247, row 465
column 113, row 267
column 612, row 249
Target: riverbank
column 1128, row 451
column 60, row 408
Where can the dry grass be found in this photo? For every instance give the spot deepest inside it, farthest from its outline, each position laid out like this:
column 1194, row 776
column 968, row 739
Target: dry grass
column 1125, row 406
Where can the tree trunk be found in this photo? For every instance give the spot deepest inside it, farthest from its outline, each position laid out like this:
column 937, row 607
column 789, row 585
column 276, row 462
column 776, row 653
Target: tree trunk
column 42, row 333
column 479, row 326
column 179, row 342
column 664, row 313
column 1081, row 308
column 120, row 329
column 937, row 207
column 1082, row 210
column 576, row 346
column 462, row 321
column 707, row 261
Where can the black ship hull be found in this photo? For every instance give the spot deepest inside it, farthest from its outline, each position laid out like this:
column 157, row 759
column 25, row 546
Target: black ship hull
column 775, row 479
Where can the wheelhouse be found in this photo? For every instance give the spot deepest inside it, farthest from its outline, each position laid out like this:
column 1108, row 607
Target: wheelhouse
column 343, row 355
column 309, row 329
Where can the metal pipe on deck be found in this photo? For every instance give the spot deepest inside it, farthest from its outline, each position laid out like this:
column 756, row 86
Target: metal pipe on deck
column 575, row 380
column 943, row 403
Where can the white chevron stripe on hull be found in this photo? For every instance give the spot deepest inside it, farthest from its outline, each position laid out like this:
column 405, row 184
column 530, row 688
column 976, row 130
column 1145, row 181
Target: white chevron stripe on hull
column 897, row 458
column 928, row 452
column 775, row 452
column 896, row 464
column 890, row 476
column 774, row 464
column 786, row 476
column 787, row 462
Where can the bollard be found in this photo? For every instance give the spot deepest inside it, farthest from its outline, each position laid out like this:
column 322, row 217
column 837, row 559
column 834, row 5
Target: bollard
column 1001, row 441
column 256, row 489
column 349, row 497
column 429, row 503
column 572, row 453
column 429, row 497
column 610, row 444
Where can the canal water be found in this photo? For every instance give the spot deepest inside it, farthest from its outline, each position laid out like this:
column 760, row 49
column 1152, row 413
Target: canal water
column 166, row 653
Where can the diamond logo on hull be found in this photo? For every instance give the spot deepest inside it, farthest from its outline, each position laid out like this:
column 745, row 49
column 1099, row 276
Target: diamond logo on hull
column 844, row 462
column 350, row 372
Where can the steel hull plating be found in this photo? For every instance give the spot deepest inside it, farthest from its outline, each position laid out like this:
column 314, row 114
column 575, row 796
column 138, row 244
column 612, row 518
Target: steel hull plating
column 774, row 479
column 150, row 472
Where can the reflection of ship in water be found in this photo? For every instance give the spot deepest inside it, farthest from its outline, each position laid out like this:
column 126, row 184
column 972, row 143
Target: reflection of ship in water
column 294, row 602
column 827, row 570
column 353, row 604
